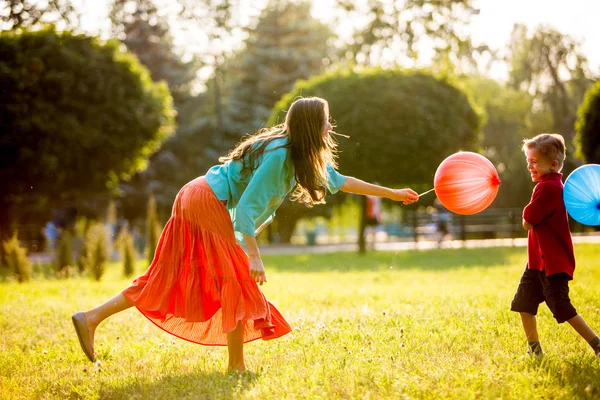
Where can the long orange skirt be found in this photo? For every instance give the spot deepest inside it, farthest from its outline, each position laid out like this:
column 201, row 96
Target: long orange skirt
column 198, row 286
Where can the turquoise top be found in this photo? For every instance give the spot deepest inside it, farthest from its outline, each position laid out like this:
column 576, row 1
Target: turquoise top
column 253, row 198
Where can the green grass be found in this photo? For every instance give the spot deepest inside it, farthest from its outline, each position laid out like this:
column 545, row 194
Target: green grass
column 429, row 324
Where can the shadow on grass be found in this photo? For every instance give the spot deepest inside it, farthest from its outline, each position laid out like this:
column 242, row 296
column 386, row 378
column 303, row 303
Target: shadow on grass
column 197, row 385
column 580, row 375
column 430, row 260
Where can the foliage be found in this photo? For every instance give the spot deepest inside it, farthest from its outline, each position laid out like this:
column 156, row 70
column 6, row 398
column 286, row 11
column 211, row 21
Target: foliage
column 550, row 65
column 16, row 258
column 77, row 116
column 287, row 44
column 28, row 14
column 588, row 126
column 146, row 33
column 127, row 250
column 509, row 117
column 390, row 116
column 96, row 251
column 397, row 29
column 64, row 253
column 152, row 228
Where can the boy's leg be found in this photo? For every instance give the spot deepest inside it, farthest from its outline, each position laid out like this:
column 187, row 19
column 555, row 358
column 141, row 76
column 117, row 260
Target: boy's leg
column 530, row 327
column 579, row 324
column 526, row 301
column 235, row 347
column 556, row 288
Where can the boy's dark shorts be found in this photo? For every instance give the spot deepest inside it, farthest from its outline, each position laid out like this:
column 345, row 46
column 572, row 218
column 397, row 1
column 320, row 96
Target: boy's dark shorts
column 535, row 288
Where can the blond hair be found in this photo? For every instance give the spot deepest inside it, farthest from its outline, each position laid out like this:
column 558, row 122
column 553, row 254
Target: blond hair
column 550, row 145
column 310, row 151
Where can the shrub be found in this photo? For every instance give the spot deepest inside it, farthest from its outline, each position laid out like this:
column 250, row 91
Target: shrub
column 16, row 259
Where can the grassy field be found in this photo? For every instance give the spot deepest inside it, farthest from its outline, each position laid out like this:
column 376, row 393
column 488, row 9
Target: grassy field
column 428, row 324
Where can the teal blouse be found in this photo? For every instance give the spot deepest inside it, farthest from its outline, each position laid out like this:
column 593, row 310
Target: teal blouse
column 253, row 198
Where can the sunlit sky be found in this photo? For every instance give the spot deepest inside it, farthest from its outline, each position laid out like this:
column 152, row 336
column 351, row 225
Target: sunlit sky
column 493, row 25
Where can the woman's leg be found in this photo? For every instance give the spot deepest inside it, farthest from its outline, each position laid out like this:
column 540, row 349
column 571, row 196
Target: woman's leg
column 235, row 347
column 96, row 315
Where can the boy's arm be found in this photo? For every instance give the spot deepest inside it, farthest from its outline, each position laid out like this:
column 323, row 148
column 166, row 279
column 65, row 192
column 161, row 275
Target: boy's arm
column 527, row 225
column 541, row 205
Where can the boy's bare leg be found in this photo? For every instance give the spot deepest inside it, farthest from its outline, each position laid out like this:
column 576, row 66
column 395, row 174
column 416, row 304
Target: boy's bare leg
column 530, row 326
column 582, row 327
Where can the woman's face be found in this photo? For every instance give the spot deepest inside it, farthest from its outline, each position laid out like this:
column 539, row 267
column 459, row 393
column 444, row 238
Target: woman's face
column 327, row 128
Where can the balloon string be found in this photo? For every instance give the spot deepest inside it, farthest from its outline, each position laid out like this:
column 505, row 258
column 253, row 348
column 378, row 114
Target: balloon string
column 430, row 190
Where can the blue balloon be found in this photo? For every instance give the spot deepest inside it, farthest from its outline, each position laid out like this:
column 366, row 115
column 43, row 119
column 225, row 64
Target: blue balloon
column 582, row 194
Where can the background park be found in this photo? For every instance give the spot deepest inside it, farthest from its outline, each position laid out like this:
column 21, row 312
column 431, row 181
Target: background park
column 107, row 108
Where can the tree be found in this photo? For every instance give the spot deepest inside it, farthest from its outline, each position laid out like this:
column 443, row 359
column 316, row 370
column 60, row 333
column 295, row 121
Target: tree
column 287, row 44
column 27, row 14
column 396, row 29
column 392, row 116
column 146, row 33
column 588, row 126
column 508, row 118
column 550, row 66
column 76, row 115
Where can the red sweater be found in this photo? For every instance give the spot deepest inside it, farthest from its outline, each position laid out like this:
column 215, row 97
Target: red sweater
column 549, row 244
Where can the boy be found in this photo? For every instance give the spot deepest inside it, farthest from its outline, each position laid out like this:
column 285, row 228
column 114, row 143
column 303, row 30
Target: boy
column 550, row 257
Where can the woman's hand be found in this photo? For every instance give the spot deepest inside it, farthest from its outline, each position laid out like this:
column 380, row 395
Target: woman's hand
column 406, row 196
column 257, row 269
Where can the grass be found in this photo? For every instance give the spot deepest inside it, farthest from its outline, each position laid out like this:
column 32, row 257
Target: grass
column 428, row 324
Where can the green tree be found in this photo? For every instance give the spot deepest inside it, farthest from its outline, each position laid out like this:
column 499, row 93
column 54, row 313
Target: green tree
column 27, row 14
column 286, row 45
column 397, row 28
column 17, row 261
column 146, row 33
column 508, row 118
column 588, row 126
column 76, row 115
column 392, row 116
column 152, row 228
column 551, row 66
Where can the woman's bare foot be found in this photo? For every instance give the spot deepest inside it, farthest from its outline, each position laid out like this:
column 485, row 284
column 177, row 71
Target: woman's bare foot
column 236, row 367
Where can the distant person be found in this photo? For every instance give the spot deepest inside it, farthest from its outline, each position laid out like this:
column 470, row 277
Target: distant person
column 201, row 285
column 373, row 216
column 550, row 257
column 442, row 221
column 51, row 233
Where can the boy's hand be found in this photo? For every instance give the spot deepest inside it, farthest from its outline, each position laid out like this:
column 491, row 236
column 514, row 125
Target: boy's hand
column 406, row 196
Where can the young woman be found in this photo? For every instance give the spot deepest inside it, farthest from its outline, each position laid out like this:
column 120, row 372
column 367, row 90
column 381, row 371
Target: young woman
column 201, row 285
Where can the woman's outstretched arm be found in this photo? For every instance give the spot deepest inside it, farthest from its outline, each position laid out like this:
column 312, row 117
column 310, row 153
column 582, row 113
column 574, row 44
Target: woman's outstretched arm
column 354, row 185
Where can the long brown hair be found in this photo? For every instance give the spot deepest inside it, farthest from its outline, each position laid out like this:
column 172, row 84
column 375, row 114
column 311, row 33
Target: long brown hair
column 310, row 151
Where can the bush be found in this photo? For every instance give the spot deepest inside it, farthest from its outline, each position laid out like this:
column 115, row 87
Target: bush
column 96, row 252
column 16, row 259
column 127, row 250
column 588, row 126
column 64, row 256
column 77, row 116
column 152, row 228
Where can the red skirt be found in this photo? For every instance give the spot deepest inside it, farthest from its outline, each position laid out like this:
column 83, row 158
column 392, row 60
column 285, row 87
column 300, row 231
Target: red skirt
column 198, row 286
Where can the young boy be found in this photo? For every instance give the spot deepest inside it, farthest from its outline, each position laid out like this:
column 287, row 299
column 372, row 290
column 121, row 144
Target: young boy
column 550, row 257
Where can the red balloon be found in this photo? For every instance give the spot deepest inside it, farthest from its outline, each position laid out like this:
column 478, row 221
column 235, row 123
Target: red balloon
column 466, row 183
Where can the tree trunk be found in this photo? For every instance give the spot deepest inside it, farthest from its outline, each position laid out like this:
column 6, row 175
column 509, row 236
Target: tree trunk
column 362, row 240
